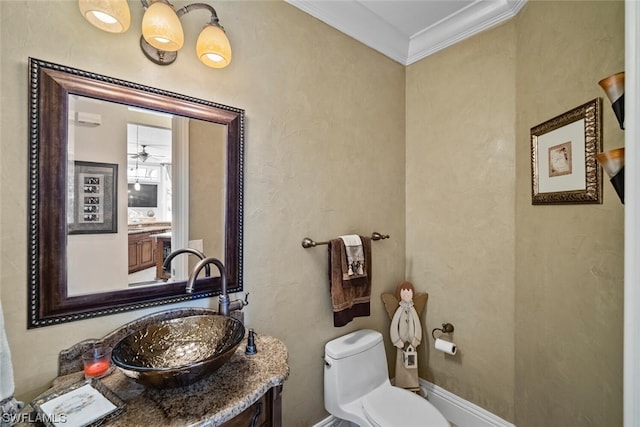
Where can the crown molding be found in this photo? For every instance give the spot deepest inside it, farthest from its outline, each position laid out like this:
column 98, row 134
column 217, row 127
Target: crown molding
column 357, row 21
column 354, row 19
column 475, row 18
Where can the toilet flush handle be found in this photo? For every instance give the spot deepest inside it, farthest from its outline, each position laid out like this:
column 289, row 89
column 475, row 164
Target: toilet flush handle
column 326, row 363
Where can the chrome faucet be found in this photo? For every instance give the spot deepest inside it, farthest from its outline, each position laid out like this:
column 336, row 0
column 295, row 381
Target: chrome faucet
column 172, row 255
column 224, row 304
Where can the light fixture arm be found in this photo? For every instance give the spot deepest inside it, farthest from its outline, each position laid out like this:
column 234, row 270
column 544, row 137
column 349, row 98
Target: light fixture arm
column 161, row 57
column 196, row 6
column 190, row 8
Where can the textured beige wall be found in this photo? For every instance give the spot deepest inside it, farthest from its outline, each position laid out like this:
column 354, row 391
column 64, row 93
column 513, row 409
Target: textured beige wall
column 207, row 171
column 469, row 112
column 324, row 156
column 460, row 211
column 569, row 269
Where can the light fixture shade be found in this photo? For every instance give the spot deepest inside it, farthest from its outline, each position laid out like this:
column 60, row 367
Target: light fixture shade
column 611, row 161
column 613, row 164
column 109, row 15
column 161, row 27
column 213, row 47
column 613, row 86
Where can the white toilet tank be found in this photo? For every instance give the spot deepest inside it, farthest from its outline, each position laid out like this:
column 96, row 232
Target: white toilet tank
column 355, row 364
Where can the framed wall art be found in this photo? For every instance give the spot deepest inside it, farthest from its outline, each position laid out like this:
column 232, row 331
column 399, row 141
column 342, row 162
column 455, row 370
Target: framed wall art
column 93, row 192
column 564, row 169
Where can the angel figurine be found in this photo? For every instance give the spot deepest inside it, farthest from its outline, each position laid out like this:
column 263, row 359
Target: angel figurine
column 404, row 309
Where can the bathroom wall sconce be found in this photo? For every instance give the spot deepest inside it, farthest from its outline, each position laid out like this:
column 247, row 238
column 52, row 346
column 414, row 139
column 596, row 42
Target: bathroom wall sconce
column 613, row 161
column 613, row 164
column 613, row 86
column 162, row 34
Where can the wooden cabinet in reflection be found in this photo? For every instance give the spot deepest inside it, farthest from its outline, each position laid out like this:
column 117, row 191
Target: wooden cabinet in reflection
column 163, row 249
column 142, row 248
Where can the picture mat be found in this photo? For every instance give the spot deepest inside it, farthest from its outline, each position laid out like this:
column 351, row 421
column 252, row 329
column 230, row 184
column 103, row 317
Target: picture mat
column 573, row 132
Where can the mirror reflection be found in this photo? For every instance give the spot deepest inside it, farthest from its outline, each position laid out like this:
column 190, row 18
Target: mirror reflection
column 122, row 219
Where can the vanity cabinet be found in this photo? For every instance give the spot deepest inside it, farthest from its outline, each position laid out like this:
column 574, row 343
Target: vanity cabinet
column 246, row 391
column 266, row 412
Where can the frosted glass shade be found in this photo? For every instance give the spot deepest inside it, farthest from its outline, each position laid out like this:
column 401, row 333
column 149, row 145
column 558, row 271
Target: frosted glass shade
column 611, row 161
column 109, row 15
column 161, row 27
column 613, row 86
column 213, row 47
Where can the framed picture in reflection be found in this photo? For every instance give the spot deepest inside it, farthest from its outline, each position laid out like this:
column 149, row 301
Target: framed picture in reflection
column 92, row 206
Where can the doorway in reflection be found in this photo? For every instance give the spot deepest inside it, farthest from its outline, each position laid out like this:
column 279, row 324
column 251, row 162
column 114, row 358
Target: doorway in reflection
column 149, row 195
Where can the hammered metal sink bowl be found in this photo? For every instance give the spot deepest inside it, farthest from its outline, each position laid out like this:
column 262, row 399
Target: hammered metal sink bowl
column 180, row 351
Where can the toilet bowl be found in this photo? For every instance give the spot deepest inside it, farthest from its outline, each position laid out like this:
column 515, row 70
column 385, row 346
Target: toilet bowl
column 357, row 388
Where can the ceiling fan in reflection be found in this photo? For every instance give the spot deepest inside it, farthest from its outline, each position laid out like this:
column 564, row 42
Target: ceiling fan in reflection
column 143, row 155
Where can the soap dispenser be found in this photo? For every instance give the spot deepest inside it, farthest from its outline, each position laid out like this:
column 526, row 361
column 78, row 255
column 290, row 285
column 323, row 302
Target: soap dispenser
column 251, row 345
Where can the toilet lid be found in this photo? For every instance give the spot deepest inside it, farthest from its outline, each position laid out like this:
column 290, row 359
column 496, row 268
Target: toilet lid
column 393, row 407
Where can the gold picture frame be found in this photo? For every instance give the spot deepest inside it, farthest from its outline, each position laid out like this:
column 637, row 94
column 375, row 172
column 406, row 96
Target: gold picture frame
column 564, row 169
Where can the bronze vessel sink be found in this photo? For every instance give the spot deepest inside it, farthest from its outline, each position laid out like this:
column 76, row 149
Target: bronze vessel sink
column 180, row 351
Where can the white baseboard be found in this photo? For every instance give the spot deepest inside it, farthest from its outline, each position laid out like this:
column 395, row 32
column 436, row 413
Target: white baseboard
column 327, row 422
column 458, row 411
column 332, row 421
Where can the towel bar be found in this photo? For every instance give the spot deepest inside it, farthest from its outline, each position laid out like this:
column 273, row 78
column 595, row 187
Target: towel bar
column 310, row 243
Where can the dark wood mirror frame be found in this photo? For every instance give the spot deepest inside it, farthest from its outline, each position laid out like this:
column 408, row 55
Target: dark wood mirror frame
column 50, row 85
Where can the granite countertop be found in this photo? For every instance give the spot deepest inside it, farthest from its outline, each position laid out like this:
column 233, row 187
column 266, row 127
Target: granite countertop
column 211, row 401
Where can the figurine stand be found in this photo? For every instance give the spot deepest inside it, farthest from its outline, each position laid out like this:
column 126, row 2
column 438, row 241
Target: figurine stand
column 405, row 310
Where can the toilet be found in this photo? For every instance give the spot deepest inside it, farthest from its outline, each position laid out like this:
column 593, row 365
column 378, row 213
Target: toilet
column 357, row 388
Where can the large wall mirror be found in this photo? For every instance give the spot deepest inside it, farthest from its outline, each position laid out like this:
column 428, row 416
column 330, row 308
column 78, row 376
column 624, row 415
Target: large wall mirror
column 122, row 174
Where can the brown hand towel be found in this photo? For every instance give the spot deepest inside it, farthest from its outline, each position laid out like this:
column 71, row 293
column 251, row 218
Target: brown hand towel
column 349, row 298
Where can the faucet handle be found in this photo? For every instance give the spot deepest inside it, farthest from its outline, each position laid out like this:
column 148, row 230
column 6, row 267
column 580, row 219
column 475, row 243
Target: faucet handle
column 238, row 304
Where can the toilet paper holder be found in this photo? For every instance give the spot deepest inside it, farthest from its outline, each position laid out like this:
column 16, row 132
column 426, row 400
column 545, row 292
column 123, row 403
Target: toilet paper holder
column 447, row 328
